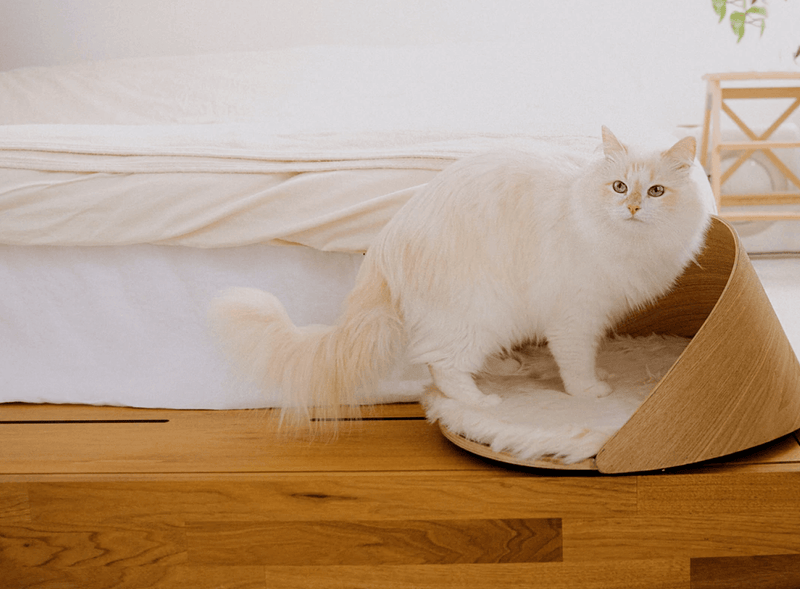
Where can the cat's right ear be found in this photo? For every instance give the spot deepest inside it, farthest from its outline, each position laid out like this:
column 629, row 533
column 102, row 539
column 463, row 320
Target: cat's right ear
column 683, row 151
column 611, row 145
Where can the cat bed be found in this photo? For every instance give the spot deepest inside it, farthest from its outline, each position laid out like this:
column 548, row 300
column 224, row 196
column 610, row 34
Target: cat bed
column 537, row 419
column 703, row 372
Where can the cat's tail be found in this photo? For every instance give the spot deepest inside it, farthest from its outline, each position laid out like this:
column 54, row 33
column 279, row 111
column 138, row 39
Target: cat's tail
column 323, row 372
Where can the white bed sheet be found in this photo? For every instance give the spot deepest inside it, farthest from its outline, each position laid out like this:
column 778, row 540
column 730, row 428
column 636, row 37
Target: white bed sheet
column 227, row 185
column 127, row 325
column 328, row 211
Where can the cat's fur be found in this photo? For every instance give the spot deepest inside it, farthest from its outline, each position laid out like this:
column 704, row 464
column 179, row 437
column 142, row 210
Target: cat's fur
column 498, row 249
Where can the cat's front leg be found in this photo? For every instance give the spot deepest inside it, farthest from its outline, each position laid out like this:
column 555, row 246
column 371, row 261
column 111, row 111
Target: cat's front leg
column 460, row 386
column 575, row 352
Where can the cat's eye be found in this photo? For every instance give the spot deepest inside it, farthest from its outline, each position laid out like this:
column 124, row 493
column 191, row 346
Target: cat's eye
column 656, row 190
column 620, row 187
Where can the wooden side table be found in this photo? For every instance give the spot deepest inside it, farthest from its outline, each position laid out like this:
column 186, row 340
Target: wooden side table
column 716, row 104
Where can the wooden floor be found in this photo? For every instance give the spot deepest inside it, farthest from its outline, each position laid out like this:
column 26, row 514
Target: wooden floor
column 95, row 497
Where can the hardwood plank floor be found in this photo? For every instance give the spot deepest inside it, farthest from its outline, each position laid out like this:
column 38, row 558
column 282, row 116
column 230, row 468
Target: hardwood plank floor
column 698, row 536
column 374, row 543
column 646, row 574
column 324, row 496
column 100, row 497
column 764, row 572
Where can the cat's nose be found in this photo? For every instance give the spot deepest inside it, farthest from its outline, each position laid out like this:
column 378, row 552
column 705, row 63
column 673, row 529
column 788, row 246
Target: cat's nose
column 634, row 208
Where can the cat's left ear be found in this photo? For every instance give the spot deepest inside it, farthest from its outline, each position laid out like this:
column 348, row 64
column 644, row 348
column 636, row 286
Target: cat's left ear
column 611, row 145
column 683, row 151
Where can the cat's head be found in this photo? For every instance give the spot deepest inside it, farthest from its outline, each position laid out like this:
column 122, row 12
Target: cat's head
column 639, row 188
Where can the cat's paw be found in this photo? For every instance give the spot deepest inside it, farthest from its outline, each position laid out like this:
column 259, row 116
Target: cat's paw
column 599, row 389
column 589, row 389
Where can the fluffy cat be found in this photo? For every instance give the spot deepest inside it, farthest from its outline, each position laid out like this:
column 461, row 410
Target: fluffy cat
column 498, row 249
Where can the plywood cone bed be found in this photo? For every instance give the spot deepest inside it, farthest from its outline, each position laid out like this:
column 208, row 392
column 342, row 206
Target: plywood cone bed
column 736, row 384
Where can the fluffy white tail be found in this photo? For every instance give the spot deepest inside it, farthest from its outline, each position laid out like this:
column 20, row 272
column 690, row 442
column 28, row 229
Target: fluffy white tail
column 323, row 371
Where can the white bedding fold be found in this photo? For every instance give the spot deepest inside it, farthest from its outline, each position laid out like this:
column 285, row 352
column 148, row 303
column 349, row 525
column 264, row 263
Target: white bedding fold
column 219, row 185
column 329, row 211
column 239, row 148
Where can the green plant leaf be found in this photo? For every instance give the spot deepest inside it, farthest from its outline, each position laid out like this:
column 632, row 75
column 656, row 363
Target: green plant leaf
column 757, row 10
column 720, row 7
column 737, row 24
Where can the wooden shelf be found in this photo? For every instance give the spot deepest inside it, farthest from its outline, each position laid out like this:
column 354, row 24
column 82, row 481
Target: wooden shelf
column 761, row 92
column 757, row 145
column 760, row 216
column 712, row 142
column 750, row 76
column 769, row 198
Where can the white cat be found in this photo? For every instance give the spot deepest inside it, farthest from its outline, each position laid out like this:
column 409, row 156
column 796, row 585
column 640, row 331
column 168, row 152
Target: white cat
column 498, row 249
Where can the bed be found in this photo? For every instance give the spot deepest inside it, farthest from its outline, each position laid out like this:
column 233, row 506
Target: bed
column 133, row 191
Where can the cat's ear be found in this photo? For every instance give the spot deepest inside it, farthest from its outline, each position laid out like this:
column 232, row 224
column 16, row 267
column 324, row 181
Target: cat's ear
column 611, row 145
column 683, row 151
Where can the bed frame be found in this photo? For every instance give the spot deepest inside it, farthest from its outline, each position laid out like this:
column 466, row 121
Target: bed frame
column 101, row 497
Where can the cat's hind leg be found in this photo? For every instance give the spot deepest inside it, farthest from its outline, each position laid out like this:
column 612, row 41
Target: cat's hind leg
column 454, row 346
column 575, row 353
column 460, row 386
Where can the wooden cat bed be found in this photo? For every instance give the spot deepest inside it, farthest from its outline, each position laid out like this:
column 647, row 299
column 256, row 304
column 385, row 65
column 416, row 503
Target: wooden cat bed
column 735, row 386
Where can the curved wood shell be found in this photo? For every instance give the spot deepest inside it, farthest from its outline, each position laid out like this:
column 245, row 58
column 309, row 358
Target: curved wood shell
column 737, row 384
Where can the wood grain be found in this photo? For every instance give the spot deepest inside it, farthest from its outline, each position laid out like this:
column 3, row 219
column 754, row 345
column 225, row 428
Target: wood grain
column 647, row 574
column 687, row 536
column 746, row 572
column 737, row 384
column 759, row 493
column 781, row 451
column 319, row 497
column 66, row 546
column 780, row 456
column 150, row 577
column 14, row 504
column 228, row 441
column 374, row 543
column 167, row 517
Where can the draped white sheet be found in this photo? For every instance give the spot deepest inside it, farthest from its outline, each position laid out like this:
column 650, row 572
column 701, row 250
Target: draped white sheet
column 126, row 325
column 219, row 185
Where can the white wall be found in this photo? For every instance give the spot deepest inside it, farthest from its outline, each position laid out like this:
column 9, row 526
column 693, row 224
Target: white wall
column 48, row 32
column 666, row 46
